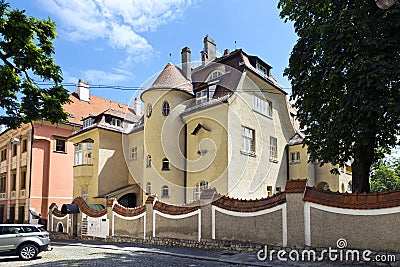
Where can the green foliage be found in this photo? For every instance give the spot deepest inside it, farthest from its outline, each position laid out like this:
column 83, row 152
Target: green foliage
column 385, row 175
column 345, row 73
column 26, row 49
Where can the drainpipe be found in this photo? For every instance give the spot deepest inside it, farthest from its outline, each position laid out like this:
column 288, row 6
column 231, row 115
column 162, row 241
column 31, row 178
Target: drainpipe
column 185, row 167
column 30, row 172
column 287, row 163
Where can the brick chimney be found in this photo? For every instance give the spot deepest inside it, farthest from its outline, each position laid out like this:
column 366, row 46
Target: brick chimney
column 186, row 67
column 209, row 52
column 83, row 90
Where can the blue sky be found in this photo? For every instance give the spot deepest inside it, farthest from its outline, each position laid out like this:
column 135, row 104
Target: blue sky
column 125, row 42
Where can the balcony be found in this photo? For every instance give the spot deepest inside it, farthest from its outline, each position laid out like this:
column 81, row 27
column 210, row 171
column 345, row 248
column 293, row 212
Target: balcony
column 83, row 171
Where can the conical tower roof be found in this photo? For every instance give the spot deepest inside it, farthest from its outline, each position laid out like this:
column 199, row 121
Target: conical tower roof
column 172, row 78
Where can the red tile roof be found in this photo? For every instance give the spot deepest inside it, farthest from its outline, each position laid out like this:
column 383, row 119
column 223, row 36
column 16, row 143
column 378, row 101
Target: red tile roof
column 296, row 186
column 80, row 109
column 253, row 205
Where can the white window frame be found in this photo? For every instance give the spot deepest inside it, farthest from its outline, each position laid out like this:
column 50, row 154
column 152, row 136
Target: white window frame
column 202, row 96
column 116, row 122
column 273, row 149
column 88, row 122
column 199, row 187
column 248, row 141
column 262, row 106
column 165, row 191
column 148, row 188
column 83, row 154
column 85, row 194
column 133, row 153
column 166, row 108
column 295, row 157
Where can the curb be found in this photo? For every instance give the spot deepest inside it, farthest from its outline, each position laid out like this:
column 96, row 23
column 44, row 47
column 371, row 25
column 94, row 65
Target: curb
column 107, row 246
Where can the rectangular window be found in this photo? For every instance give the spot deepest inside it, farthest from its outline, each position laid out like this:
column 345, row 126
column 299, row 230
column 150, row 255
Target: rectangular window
column 294, row 157
column 60, row 145
column 24, row 145
column 3, row 183
column 21, row 214
column 13, row 181
column 262, row 106
column 133, row 153
column 23, row 179
column 85, row 194
column 116, row 122
column 83, row 154
column 14, row 150
column 12, row 216
column 3, row 154
column 273, row 149
column 248, row 142
column 202, row 96
column 88, row 122
column 269, row 191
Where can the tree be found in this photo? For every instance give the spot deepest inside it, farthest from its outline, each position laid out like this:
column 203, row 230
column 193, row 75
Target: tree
column 345, row 73
column 26, row 49
column 385, row 175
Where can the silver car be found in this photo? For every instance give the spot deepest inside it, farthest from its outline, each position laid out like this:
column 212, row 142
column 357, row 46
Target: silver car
column 23, row 240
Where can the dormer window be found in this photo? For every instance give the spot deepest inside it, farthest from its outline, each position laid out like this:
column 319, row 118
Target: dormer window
column 214, row 74
column 202, row 96
column 263, row 71
column 149, row 110
column 87, row 123
column 116, row 122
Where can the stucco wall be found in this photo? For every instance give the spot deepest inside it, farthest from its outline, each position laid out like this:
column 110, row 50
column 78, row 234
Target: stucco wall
column 186, row 228
column 132, row 228
column 373, row 232
column 266, row 229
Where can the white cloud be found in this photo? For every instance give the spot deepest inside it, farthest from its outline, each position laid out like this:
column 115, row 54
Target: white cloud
column 100, row 77
column 119, row 22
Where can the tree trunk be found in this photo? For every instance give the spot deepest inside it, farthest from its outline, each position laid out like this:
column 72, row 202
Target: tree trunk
column 360, row 175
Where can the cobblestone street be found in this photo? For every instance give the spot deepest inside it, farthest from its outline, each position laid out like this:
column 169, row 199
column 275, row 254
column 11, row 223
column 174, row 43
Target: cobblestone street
column 64, row 255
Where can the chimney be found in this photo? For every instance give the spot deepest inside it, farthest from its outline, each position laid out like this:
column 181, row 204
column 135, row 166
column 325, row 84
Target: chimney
column 209, row 52
column 226, row 52
column 137, row 107
column 83, row 90
column 186, row 66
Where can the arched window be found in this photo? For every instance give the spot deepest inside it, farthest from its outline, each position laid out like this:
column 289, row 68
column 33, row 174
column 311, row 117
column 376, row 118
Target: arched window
column 165, row 108
column 165, row 165
column 128, row 200
column 148, row 163
column 148, row 188
column 60, row 227
column 165, row 191
column 214, row 74
column 149, row 110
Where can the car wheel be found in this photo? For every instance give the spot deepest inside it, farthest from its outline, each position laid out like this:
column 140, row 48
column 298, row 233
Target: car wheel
column 28, row 252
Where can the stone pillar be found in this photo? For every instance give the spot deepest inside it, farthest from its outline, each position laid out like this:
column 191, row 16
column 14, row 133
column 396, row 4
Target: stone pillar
column 110, row 217
column 206, row 198
column 295, row 212
column 149, row 216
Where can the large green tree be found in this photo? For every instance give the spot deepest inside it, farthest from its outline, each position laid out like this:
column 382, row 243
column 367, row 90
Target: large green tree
column 26, row 49
column 385, row 175
column 345, row 73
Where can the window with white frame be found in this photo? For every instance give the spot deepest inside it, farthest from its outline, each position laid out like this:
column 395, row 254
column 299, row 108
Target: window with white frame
column 202, row 96
column 273, row 149
column 87, row 122
column 165, row 191
column 133, row 153
column 248, row 141
column 200, row 186
column 148, row 188
column 116, row 122
column 83, row 154
column 165, row 165
column 262, row 106
column 165, row 108
column 214, row 74
column 294, row 157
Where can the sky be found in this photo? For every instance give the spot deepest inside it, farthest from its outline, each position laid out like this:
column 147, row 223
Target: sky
column 122, row 43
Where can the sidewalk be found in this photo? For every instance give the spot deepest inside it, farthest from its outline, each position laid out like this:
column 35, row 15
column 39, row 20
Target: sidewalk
column 225, row 256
